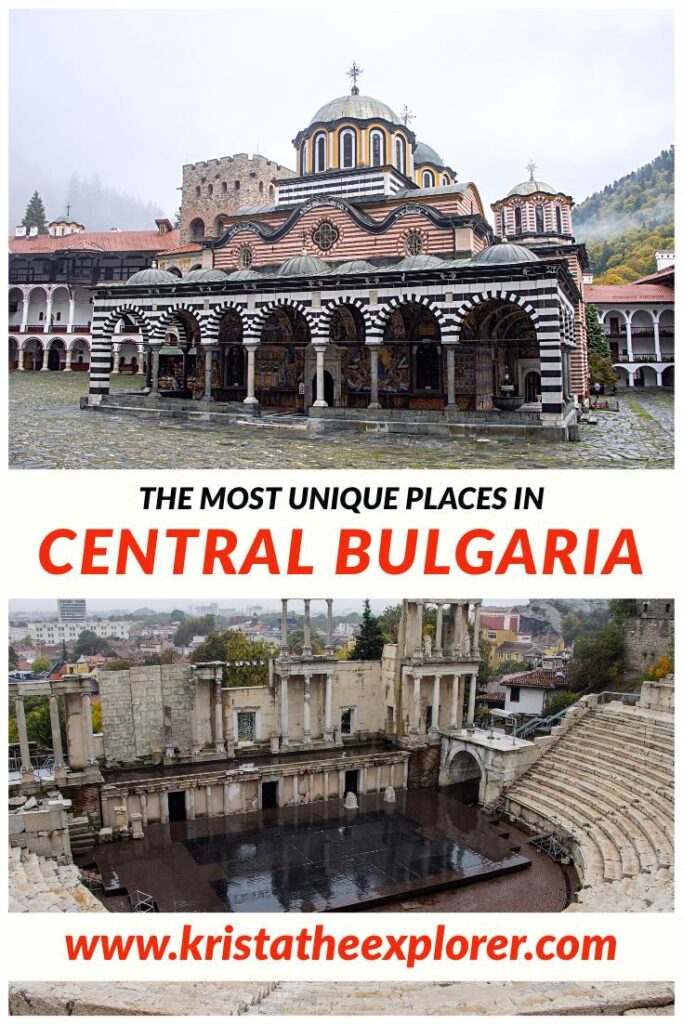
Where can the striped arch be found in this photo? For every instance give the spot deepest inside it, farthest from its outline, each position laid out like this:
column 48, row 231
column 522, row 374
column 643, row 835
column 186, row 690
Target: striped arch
column 213, row 320
column 105, row 329
column 328, row 312
column 475, row 300
column 165, row 320
column 378, row 325
column 259, row 319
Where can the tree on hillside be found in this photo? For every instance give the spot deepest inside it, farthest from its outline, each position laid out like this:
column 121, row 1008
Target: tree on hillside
column 40, row 665
column 623, row 608
column 370, row 641
column 598, row 662
column 34, row 216
column 12, row 657
column 389, row 621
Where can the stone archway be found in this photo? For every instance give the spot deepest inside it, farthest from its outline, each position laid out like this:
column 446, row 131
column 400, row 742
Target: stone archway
column 464, row 776
column 347, row 358
column 280, row 364
column 411, row 371
column 498, row 346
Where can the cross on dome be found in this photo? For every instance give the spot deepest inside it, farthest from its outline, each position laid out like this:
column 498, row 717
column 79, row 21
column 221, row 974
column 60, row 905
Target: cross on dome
column 354, row 73
column 407, row 115
column 531, row 168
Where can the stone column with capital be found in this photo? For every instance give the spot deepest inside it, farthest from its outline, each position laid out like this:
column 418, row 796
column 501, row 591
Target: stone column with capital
column 88, row 744
column 436, row 704
column 329, row 732
column 251, row 398
column 154, row 360
column 629, row 339
column 415, row 705
column 284, row 710
column 208, row 366
column 67, row 360
column 71, row 315
column 450, row 375
column 284, row 643
column 219, row 738
column 420, row 638
column 477, row 629
column 20, row 359
column 329, row 646
column 374, row 377
column 438, row 637
column 115, row 356
column 471, row 702
column 307, row 649
column 307, row 708
column 56, row 731
column 320, row 402
column 26, row 767
column 455, row 704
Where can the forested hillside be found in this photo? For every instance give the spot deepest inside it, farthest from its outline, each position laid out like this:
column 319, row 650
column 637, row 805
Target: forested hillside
column 625, row 223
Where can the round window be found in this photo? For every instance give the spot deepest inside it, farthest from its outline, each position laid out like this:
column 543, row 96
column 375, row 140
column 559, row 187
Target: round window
column 325, row 235
column 412, row 246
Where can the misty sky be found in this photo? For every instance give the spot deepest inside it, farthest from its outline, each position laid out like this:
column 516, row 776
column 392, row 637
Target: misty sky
column 132, row 95
column 96, row 607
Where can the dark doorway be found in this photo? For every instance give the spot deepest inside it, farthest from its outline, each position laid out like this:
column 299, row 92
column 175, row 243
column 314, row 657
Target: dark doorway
column 176, row 806
column 532, row 386
column 268, row 795
column 351, row 782
column 427, row 368
column 53, row 358
column 328, row 387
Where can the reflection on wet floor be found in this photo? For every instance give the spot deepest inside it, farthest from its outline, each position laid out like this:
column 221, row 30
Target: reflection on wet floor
column 314, row 857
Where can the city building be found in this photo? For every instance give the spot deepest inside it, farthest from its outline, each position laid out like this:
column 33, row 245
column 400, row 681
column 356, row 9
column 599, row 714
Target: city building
column 527, row 693
column 52, row 632
column 51, row 278
column 639, row 324
column 648, row 635
column 367, row 287
column 71, row 610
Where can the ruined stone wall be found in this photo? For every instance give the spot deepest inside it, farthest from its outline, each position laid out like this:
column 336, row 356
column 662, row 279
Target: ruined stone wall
column 359, row 684
column 145, row 710
column 423, row 768
column 218, row 187
column 649, row 635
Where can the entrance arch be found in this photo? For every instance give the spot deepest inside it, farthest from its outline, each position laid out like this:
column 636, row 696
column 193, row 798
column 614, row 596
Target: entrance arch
column 410, row 359
column 231, row 368
column 13, row 354
column 56, row 354
column 328, row 387
column 280, row 359
column 345, row 327
column 498, row 342
column 465, row 775
column 33, row 354
column 668, row 377
column 532, row 386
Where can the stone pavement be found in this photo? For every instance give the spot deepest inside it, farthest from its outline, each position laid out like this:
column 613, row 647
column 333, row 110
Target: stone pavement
column 340, row 998
column 49, row 430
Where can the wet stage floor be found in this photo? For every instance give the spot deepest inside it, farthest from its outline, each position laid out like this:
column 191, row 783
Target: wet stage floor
column 316, row 857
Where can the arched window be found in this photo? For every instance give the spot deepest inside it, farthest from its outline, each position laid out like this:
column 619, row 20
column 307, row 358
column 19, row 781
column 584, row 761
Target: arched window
column 376, row 148
column 237, row 186
column 319, row 154
column 210, row 187
column 400, row 150
column 225, row 186
column 347, row 141
column 260, row 187
column 445, row 180
column 558, row 219
column 540, row 218
column 303, row 152
column 271, row 191
column 502, row 230
column 518, row 220
column 427, row 179
column 198, row 190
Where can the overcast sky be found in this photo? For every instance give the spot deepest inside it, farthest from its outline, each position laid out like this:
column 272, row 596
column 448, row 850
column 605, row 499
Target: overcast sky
column 96, row 607
column 132, row 95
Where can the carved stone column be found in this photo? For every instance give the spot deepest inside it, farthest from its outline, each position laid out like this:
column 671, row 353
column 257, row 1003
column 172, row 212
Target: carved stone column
column 56, row 731
column 26, row 767
column 307, row 708
column 436, row 704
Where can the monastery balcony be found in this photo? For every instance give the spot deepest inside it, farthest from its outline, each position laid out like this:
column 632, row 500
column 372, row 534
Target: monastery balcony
column 640, row 332
column 646, row 357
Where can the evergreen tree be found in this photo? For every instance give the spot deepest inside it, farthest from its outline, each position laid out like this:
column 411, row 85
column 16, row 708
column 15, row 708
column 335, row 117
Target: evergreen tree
column 597, row 342
column 370, row 641
column 35, row 215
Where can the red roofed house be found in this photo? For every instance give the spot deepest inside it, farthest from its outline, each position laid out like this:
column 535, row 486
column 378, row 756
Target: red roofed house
column 527, row 693
column 50, row 297
column 639, row 322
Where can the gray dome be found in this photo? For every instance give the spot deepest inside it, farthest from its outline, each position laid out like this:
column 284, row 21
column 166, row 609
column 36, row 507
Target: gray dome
column 424, row 154
column 421, row 262
column 356, row 267
column 303, row 266
column 362, row 108
column 152, row 275
column 504, row 252
column 205, row 275
column 528, row 188
column 247, row 274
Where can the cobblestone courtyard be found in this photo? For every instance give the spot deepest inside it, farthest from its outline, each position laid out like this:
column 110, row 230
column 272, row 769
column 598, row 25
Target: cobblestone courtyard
column 48, row 430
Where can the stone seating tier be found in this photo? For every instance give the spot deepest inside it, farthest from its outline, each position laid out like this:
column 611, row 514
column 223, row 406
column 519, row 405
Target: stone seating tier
column 38, row 884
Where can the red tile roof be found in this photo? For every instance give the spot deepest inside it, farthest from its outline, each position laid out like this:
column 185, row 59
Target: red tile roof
column 664, row 276
column 190, row 247
column 97, row 241
column 634, row 293
column 538, row 678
